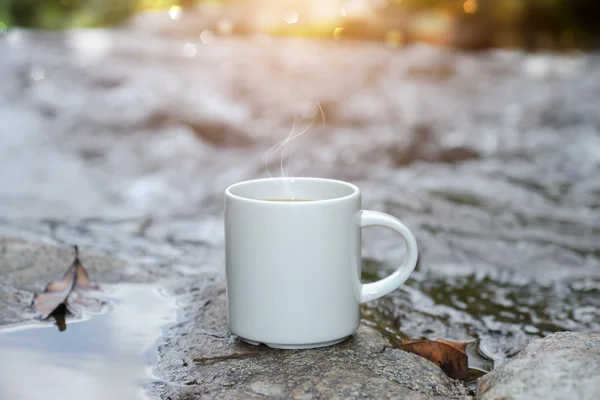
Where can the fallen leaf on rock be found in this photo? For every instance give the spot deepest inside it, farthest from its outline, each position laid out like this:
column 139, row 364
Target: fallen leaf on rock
column 450, row 356
column 77, row 302
column 82, row 280
column 61, row 295
column 460, row 346
column 55, row 294
column 60, row 315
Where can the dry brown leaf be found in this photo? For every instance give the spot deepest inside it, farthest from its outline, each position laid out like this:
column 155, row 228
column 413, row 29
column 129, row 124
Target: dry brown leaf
column 449, row 356
column 460, row 346
column 82, row 280
column 60, row 293
column 55, row 294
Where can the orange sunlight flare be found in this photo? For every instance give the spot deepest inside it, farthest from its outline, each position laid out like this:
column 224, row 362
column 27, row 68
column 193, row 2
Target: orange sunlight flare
column 470, row 6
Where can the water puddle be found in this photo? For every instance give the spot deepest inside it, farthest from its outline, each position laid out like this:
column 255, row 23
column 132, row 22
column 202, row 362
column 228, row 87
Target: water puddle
column 107, row 356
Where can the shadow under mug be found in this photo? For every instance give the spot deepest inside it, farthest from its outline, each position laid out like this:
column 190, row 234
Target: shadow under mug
column 293, row 260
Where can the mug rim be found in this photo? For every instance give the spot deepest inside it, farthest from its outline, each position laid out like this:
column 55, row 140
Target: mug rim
column 354, row 188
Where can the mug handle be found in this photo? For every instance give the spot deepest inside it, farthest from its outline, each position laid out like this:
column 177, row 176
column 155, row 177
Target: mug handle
column 372, row 291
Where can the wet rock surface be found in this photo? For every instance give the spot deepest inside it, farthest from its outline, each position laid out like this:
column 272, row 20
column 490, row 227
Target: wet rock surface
column 123, row 142
column 563, row 365
column 364, row 366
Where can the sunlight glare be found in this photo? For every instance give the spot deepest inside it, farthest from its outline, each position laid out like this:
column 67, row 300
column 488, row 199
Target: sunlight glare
column 189, row 50
column 323, row 11
column 470, row 6
column 291, row 17
column 358, row 8
column 337, row 33
column 207, row 36
column 175, row 12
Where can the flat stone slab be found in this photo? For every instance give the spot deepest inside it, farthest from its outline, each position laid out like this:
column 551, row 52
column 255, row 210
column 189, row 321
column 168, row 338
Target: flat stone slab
column 364, row 366
column 565, row 365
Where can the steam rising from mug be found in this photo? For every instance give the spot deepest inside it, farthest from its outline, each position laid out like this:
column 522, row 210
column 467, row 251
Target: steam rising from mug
column 281, row 147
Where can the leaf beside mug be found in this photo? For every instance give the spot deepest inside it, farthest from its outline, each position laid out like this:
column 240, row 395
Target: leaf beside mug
column 450, row 356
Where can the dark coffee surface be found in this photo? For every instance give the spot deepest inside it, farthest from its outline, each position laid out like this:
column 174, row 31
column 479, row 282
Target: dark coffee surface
column 288, row 200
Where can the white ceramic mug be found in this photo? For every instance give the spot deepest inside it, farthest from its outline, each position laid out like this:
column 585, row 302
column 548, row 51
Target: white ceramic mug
column 293, row 267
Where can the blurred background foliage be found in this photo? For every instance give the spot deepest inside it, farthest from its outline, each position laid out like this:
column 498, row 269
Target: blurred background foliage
column 531, row 24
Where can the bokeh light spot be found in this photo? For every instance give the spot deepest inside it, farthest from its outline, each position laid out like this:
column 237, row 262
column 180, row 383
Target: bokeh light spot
column 189, row 50
column 207, row 36
column 175, row 12
column 291, row 17
column 337, row 33
column 470, row 6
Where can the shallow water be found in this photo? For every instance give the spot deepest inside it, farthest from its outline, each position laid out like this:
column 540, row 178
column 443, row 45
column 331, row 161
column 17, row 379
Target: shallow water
column 107, row 356
column 501, row 315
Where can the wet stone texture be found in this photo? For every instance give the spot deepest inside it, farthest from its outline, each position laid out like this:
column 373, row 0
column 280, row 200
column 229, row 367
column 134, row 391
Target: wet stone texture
column 363, row 366
column 121, row 142
column 563, row 365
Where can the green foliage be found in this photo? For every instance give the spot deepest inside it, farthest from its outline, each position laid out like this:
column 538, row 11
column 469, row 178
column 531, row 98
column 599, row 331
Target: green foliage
column 59, row 14
column 571, row 22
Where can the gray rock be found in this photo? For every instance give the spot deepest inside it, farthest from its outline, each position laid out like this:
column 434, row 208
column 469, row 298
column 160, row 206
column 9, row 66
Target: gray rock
column 565, row 365
column 364, row 366
column 13, row 302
